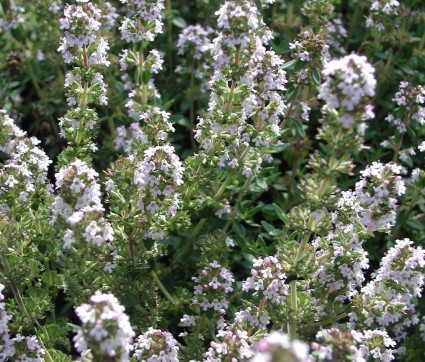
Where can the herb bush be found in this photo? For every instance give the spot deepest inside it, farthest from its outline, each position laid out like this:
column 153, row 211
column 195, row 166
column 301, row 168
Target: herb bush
column 212, row 180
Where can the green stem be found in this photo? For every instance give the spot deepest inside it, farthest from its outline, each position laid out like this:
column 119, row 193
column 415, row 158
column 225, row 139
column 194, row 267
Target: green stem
column 162, row 288
column 169, row 35
column 323, row 322
column 412, row 203
column 291, row 105
column 324, row 256
column 302, row 247
column 422, row 43
column 202, row 221
column 235, row 208
column 189, row 243
column 294, row 307
column 80, row 131
column 192, row 107
column 323, row 186
column 21, row 304
column 131, row 249
column 144, row 86
column 233, row 86
column 111, row 126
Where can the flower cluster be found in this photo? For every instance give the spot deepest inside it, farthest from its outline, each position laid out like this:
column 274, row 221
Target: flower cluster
column 146, row 21
column 349, row 82
column 378, row 344
column 317, row 11
column 153, row 199
column 336, row 35
column 410, row 112
column 156, row 345
column 336, row 345
column 194, row 40
column 24, row 175
column 232, row 343
column 106, row 329
column 213, row 284
column 278, row 346
column 269, row 278
column 311, row 50
column 382, row 13
column 374, row 200
column 154, row 130
column 255, row 87
column 14, row 17
column 84, row 84
column 388, row 298
column 343, row 269
column 80, row 43
column 20, row 347
column 79, row 205
column 110, row 16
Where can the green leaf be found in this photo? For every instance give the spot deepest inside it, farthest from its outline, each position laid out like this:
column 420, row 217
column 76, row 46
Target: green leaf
column 168, row 105
column 280, row 214
column 278, row 148
column 239, row 230
column 74, row 326
column 17, row 34
column 292, row 236
column 299, row 128
column 291, row 93
column 131, row 299
column 4, row 5
column 276, row 232
column 269, row 228
column 289, row 65
column 415, row 224
column 260, row 242
column 146, row 76
column 252, row 211
column 315, row 73
column 299, row 64
column 262, row 184
column 137, row 46
column 179, row 22
column 252, row 223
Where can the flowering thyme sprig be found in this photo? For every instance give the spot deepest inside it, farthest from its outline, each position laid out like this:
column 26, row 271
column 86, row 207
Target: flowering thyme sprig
column 194, row 44
column 24, row 194
column 77, row 210
column 409, row 114
column 213, row 287
column 80, row 205
column 388, row 300
column 320, row 188
column 244, row 109
column 349, row 84
column 22, row 348
column 383, row 14
column 341, row 256
column 310, row 51
column 335, row 344
column 156, row 345
column 278, row 346
column 82, row 46
column 256, row 81
column 106, row 332
column 374, row 201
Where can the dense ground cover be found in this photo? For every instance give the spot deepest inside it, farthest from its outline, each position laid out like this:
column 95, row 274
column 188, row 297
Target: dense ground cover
column 212, row 180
